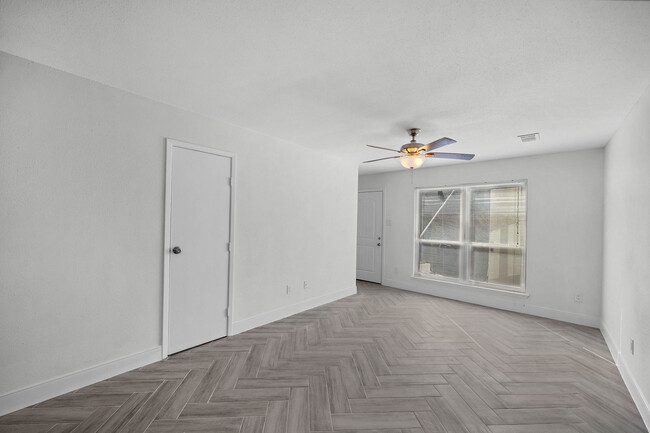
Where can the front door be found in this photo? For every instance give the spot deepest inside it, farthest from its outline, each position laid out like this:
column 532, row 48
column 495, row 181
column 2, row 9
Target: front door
column 369, row 236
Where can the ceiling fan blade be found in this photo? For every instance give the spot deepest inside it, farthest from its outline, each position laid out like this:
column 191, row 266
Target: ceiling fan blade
column 438, row 143
column 384, row 148
column 381, row 159
column 465, row 156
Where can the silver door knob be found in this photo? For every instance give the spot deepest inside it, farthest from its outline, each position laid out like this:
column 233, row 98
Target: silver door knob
column 176, row 250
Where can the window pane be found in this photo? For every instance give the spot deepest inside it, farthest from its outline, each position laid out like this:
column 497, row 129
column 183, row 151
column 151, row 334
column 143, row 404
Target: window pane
column 496, row 265
column 440, row 215
column 439, row 259
column 498, row 215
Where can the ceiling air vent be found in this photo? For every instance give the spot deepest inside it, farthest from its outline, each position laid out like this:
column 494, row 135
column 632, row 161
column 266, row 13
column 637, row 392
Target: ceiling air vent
column 526, row 138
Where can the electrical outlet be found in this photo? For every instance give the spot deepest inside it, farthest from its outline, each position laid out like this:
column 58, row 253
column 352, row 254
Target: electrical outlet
column 304, row 285
column 288, row 289
column 578, row 298
column 632, row 345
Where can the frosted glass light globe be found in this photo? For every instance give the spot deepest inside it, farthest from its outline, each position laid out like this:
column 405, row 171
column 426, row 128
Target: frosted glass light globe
column 412, row 161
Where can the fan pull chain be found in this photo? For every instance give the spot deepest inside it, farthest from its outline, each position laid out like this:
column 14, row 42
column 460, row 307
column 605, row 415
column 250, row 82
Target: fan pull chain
column 517, row 221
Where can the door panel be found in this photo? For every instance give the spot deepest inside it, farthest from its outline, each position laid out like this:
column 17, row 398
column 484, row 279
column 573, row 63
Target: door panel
column 200, row 227
column 369, row 236
column 366, row 258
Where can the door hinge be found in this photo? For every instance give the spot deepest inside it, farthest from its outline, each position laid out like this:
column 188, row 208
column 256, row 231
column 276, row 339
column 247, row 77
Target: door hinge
column 228, row 247
column 228, row 312
column 230, row 181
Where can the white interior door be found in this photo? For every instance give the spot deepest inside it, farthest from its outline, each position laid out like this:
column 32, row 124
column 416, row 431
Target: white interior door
column 369, row 236
column 199, row 254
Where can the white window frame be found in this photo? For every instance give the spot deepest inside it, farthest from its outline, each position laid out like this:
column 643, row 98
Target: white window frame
column 464, row 242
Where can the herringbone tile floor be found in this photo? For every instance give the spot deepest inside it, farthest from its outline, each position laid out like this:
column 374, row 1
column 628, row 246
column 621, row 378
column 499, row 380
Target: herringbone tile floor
column 383, row 360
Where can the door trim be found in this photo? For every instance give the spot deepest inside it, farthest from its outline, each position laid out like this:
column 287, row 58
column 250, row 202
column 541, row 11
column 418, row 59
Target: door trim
column 170, row 144
column 383, row 228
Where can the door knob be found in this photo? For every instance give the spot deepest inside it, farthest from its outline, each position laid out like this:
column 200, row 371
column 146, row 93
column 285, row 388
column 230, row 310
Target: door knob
column 378, row 244
column 176, row 250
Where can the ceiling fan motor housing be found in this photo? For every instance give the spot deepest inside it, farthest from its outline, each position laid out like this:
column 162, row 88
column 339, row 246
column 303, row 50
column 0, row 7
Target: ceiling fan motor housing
column 413, row 147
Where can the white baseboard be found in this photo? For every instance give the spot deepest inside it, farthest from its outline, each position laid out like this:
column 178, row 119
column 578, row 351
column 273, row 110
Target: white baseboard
column 635, row 391
column 39, row 392
column 289, row 310
column 564, row 316
column 503, row 301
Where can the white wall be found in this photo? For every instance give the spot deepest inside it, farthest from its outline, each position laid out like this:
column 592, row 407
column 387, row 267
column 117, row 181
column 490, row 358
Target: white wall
column 564, row 231
column 626, row 279
column 82, row 212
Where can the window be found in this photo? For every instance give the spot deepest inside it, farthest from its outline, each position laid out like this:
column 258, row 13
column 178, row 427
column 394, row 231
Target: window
column 473, row 234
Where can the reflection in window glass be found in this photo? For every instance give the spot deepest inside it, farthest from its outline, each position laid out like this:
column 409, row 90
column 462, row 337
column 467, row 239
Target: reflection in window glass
column 440, row 259
column 496, row 265
column 497, row 214
column 440, row 215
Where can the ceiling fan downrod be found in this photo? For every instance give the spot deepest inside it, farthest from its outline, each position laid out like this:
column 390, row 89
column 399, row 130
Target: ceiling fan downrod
column 413, row 132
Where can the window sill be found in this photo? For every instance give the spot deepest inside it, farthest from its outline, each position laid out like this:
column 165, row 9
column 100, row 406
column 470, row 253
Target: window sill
column 472, row 286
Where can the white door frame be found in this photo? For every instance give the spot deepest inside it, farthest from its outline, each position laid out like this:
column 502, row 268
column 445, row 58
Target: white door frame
column 167, row 240
column 383, row 229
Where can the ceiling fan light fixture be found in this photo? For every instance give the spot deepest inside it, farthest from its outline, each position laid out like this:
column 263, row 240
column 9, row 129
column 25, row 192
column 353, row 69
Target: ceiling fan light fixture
column 411, row 161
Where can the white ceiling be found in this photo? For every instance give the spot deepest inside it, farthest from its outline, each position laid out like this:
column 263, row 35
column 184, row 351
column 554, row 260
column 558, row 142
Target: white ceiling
column 337, row 74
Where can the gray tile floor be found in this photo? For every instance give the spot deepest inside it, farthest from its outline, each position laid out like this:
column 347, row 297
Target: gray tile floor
column 383, row 360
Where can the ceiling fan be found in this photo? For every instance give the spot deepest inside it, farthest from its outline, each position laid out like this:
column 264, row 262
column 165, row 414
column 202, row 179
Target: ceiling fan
column 413, row 153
